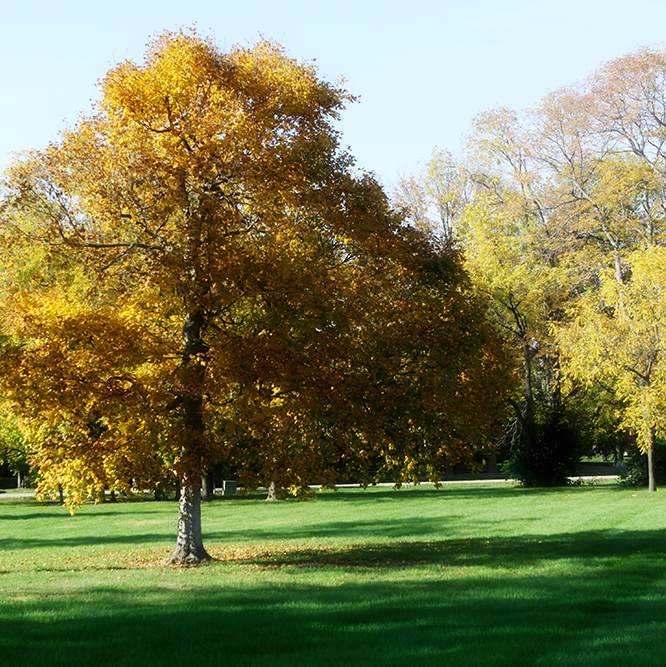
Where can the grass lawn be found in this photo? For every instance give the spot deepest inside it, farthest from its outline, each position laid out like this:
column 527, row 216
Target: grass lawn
column 466, row 575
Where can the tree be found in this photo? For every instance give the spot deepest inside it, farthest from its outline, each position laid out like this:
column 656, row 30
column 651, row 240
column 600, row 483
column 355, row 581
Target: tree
column 492, row 201
column 608, row 134
column 615, row 339
column 545, row 202
column 14, row 451
column 215, row 283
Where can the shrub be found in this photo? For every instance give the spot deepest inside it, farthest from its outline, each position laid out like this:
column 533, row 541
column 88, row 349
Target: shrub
column 636, row 472
column 548, row 458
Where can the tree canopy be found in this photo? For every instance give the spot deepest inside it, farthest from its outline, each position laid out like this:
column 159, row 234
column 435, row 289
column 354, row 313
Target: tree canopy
column 195, row 273
column 550, row 205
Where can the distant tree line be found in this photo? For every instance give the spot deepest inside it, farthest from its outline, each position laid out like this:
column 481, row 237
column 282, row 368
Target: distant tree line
column 561, row 213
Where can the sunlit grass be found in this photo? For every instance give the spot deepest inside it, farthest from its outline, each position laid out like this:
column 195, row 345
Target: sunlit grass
column 465, row 575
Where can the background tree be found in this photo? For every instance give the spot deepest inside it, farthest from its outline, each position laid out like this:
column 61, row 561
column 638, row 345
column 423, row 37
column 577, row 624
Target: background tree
column 552, row 198
column 609, row 135
column 616, row 340
column 492, row 201
column 14, row 451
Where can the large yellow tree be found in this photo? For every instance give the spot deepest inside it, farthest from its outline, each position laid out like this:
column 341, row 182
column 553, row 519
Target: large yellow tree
column 195, row 273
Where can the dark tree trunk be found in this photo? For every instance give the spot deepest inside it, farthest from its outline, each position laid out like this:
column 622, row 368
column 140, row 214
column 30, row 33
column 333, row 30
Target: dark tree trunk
column 529, row 424
column 189, row 545
column 526, row 416
column 652, row 483
column 23, row 479
column 207, row 488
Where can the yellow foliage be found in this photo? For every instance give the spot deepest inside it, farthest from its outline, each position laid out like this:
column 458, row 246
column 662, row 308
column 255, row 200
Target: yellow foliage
column 196, row 274
column 615, row 338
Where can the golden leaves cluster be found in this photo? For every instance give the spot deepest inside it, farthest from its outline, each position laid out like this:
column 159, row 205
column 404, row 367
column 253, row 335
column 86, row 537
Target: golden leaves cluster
column 197, row 276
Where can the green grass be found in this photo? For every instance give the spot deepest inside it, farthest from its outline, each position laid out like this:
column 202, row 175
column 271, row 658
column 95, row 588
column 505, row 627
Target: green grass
column 467, row 575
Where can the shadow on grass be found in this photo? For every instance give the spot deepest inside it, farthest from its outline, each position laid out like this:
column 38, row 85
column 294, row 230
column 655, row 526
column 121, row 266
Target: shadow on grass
column 81, row 534
column 39, row 515
column 62, row 514
column 589, row 617
column 600, row 548
column 37, row 527
column 460, row 490
column 498, row 553
column 132, row 539
column 44, row 527
column 398, row 528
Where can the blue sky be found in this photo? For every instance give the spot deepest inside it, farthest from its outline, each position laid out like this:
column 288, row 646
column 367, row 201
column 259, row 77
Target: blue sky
column 423, row 69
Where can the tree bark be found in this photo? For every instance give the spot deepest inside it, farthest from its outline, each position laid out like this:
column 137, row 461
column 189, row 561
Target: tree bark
column 189, row 544
column 649, row 442
column 530, row 426
column 652, row 482
column 274, row 493
column 207, row 488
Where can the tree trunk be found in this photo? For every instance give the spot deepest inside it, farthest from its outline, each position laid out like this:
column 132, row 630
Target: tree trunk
column 207, row 488
column 189, row 545
column 652, row 482
column 649, row 446
column 274, row 492
column 530, row 426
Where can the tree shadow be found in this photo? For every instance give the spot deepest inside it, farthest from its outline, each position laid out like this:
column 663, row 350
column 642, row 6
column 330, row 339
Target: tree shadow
column 495, row 553
column 396, row 528
column 72, row 542
column 63, row 513
column 289, row 616
column 481, row 490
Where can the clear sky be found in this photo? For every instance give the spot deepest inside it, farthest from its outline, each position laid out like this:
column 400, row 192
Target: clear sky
column 423, row 68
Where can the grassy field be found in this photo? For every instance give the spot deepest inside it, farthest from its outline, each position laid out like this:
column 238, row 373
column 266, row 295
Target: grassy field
column 466, row 575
